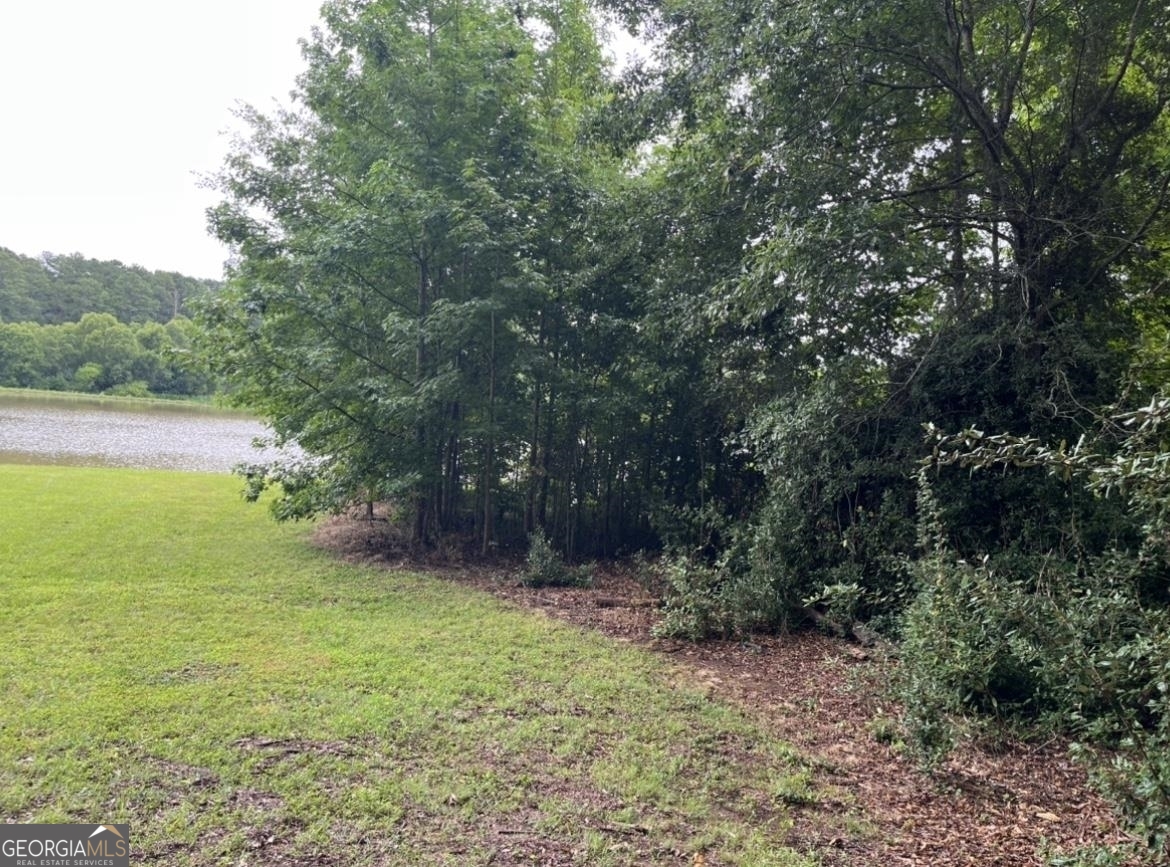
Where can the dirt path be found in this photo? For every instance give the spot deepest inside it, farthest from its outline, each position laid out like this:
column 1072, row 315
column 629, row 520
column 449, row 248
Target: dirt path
column 992, row 804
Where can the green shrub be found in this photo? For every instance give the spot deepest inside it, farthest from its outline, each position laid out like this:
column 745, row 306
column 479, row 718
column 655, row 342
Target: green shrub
column 136, row 388
column 705, row 601
column 969, row 645
column 88, row 376
column 693, row 606
column 1080, row 642
column 544, row 567
column 1074, row 651
column 750, row 602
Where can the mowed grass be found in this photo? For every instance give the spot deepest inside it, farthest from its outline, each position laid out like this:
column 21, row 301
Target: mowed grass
column 174, row 659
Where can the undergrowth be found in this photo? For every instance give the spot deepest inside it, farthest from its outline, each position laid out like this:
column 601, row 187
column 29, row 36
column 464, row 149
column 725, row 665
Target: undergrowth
column 1067, row 640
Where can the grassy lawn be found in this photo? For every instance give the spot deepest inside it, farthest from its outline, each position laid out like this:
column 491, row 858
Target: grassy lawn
column 173, row 659
column 199, row 402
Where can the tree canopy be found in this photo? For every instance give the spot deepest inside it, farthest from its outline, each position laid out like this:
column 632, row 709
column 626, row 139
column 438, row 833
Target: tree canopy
column 490, row 279
column 53, row 289
column 100, row 354
column 934, row 212
column 72, row 323
column 412, row 297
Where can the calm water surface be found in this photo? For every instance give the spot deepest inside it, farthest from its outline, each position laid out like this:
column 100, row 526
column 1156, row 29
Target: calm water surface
column 75, row 430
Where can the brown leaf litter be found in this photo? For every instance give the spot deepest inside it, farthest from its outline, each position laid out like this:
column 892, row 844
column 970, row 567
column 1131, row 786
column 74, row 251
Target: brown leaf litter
column 1001, row 803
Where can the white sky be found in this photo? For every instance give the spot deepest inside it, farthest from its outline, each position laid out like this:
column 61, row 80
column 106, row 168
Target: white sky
column 112, row 108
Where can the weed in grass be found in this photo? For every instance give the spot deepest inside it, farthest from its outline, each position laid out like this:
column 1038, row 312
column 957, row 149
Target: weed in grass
column 884, row 729
column 794, row 789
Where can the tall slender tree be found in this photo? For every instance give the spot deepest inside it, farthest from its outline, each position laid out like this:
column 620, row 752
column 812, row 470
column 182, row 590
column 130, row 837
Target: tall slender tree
column 405, row 300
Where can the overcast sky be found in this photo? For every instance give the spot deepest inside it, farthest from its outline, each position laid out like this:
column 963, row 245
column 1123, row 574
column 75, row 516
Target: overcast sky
column 109, row 109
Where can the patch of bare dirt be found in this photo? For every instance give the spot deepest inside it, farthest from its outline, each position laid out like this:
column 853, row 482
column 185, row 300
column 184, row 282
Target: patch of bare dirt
column 1002, row 803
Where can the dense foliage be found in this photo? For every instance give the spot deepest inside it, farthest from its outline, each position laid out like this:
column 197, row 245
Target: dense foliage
column 1077, row 640
column 71, row 323
column 710, row 305
column 53, row 290
column 420, row 295
column 101, row 354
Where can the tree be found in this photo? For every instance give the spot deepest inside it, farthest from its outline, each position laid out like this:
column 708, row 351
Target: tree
column 943, row 211
column 391, row 266
column 111, row 346
column 21, row 357
column 56, row 289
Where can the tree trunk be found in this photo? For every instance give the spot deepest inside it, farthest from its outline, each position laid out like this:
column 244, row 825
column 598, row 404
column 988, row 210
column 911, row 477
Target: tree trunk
column 489, row 523
column 421, row 505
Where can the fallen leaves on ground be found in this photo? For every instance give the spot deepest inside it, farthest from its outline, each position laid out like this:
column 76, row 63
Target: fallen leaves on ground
column 1004, row 803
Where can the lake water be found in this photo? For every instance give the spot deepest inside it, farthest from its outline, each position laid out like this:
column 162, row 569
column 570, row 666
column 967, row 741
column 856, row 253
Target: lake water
column 92, row 432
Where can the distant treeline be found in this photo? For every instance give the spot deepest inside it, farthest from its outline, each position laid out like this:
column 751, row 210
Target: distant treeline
column 101, row 354
column 71, row 323
column 52, row 290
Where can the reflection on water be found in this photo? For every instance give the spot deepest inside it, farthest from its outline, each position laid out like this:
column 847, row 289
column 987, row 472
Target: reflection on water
column 65, row 431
